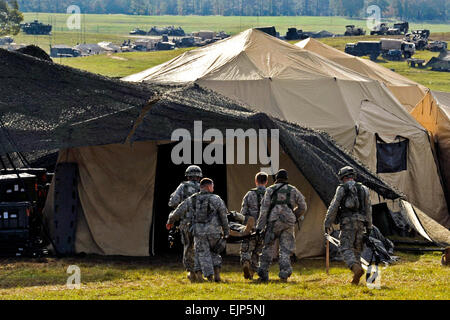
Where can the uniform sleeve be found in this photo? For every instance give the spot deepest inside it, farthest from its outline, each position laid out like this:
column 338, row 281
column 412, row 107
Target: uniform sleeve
column 179, row 212
column 300, row 202
column 244, row 207
column 334, row 207
column 223, row 211
column 368, row 206
column 264, row 210
column 176, row 196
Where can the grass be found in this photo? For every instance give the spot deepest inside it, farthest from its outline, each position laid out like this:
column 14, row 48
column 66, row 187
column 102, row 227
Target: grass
column 123, row 24
column 414, row 277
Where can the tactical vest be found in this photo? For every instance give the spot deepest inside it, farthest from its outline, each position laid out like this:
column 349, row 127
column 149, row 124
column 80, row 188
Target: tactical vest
column 286, row 202
column 345, row 212
column 259, row 195
column 203, row 213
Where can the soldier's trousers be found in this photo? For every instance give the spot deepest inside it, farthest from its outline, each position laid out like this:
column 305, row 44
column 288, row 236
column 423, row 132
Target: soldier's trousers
column 352, row 241
column 286, row 236
column 250, row 251
column 204, row 254
column 188, row 249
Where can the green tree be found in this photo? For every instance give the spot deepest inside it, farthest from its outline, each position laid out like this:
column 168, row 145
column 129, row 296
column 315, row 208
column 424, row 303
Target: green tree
column 10, row 17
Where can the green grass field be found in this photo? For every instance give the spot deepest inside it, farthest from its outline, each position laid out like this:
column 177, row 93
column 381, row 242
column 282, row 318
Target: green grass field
column 414, row 277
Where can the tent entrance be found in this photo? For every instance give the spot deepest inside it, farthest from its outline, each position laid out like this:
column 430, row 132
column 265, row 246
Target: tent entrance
column 168, row 177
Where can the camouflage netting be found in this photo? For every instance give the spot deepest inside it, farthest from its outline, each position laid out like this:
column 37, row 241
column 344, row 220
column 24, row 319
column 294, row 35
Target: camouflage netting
column 35, row 51
column 45, row 106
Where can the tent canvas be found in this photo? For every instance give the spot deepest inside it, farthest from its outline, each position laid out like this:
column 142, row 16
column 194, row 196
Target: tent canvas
column 433, row 112
column 408, row 92
column 289, row 83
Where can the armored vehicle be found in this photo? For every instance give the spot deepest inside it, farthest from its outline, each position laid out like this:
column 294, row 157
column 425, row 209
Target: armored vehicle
column 437, row 46
column 351, row 30
column 36, row 28
column 399, row 28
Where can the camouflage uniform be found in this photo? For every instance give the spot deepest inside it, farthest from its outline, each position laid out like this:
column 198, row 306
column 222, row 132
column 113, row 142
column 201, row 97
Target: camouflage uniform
column 209, row 219
column 251, row 249
column 352, row 224
column 280, row 225
column 184, row 191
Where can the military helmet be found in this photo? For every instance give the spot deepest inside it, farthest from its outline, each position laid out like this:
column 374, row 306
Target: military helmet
column 194, row 171
column 346, row 171
column 281, row 174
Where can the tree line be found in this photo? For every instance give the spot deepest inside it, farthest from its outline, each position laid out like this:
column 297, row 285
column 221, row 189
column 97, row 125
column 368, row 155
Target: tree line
column 415, row 10
column 10, row 17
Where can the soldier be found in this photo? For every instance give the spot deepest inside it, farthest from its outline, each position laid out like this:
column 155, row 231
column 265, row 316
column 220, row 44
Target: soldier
column 352, row 210
column 251, row 204
column 185, row 190
column 208, row 214
column 278, row 216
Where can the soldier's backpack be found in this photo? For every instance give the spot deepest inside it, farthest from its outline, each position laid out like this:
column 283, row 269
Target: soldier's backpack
column 259, row 195
column 203, row 212
column 287, row 201
column 354, row 197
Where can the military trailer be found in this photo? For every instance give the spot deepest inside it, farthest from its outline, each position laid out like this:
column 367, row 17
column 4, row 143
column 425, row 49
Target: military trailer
column 380, row 29
column 351, row 30
column 364, row 48
column 62, row 51
column 36, row 28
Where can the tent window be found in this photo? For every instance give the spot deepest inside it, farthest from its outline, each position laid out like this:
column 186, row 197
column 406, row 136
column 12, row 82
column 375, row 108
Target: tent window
column 391, row 157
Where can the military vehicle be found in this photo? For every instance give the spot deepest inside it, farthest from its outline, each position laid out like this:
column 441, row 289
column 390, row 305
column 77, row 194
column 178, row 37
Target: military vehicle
column 441, row 63
column 138, row 32
column 419, row 38
column 36, row 28
column 364, row 48
column 380, row 29
column 185, row 42
column 170, row 31
column 437, row 46
column 351, row 30
column 399, row 28
column 294, row 34
column 406, row 49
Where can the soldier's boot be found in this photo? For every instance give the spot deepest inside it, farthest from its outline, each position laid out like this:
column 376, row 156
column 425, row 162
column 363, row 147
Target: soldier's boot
column 357, row 273
column 217, row 274
column 263, row 277
column 210, row 278
column 199, row 277
column 247, row 270
column 191, row 276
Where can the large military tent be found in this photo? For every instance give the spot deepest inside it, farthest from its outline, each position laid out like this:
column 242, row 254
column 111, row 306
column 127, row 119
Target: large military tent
column 408, row 92
column 297, row 85
column 119, row 135
column 433, row 112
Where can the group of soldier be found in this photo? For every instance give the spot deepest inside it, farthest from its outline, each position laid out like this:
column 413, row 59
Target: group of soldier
column 272, row 213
